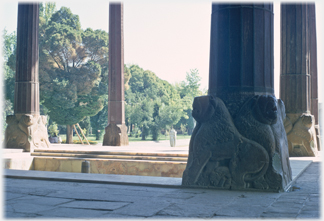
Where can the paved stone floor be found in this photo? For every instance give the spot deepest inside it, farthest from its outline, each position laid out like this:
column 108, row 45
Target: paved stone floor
column 40, row 199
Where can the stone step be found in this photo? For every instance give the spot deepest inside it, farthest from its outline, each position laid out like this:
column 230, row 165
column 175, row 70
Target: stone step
column 110, row 153
column 87, row 154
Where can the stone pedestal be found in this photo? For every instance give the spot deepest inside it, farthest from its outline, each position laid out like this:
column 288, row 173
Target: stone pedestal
column 115, row 135
column 27, row 129
column 239, row 141
column 116, row 131
column 301, row 134
column 298, row 79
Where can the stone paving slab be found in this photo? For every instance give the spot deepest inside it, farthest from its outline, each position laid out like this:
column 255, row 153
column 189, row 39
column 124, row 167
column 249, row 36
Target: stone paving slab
column 94, row 205
column 40, row 200
column 59, row 212
column 81, row 200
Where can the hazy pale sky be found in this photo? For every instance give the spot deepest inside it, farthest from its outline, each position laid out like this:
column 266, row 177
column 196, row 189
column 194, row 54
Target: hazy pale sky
column 168, row 37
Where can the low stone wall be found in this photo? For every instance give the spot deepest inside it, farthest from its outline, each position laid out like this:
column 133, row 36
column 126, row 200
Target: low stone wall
column 104, row 166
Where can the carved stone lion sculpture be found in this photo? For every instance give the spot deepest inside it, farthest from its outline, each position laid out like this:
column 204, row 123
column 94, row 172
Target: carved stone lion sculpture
column 14, row 136
column 261, row 119
column 26, row 131
column 301, row 137
column 219, row 156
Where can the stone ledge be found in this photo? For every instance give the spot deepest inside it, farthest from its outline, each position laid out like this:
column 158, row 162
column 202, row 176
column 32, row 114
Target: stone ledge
column 94, row 178
column 11, row 150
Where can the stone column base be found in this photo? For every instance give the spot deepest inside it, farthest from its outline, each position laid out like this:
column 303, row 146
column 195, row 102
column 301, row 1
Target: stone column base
column 26, row 131
column 301, row 135
column 115, row 135
column 248, row 151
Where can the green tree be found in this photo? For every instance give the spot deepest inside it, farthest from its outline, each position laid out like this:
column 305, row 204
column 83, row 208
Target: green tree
column 53, row 129
column 85, row 124
column 100, row 120
column 8, row 48
column 9, row 58
column 152, row 104
column 142, row 116
column 188, row 90
column 71, row 79
column 164, row 117
column 46, row 11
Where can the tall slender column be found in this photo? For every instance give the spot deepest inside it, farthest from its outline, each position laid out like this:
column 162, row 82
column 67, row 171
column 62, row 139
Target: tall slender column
column 313, row 60
column 313, row 68
column 116, row 131
column 239, row 141
column 26, row 129
column 296, row 90
column 27, row 85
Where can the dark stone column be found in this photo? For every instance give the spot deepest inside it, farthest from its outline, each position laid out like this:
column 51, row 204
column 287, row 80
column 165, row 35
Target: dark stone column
column 26, row 129
column 116, row 131
column 313, row 68
column 297, row 65
column 313, row 60
column 239, row 141
column 27, row 85
column 241, row 52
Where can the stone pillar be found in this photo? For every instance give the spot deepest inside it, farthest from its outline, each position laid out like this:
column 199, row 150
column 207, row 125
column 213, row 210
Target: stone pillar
column 243, row 53
column 116, row 131
column 239, row 141
column 296, row 79
column 27, row 129
column 313, row 68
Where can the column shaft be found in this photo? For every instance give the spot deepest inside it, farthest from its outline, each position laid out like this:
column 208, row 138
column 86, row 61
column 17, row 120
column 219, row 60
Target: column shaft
column 313, row 60
column 116, row 131
column 295, row 78
column 116, row 113
column 27, row 85
column 241, row 51
column 241, row 55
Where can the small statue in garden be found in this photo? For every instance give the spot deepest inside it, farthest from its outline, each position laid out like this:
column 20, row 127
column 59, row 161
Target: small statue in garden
column 173, row 137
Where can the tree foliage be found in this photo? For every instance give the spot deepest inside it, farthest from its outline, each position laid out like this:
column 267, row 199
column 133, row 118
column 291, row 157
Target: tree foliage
column 8, row 48
column 152, row 104
column 71, row 68
column 46, row 11
column 188, row 90
column 9, row 51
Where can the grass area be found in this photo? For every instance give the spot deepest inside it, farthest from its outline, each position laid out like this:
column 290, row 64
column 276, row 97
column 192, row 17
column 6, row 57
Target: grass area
column 162, row 137
column 131, row 139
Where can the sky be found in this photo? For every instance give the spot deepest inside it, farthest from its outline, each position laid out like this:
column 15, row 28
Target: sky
column 167, row 37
